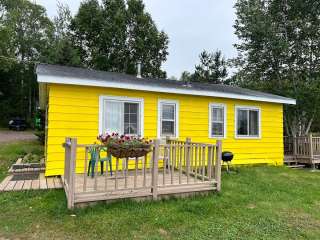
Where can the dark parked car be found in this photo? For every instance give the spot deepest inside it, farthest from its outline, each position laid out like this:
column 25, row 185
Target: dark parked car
column 17, row 124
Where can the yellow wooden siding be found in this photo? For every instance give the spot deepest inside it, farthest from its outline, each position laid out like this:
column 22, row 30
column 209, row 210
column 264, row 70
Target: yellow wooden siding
column 74, row 111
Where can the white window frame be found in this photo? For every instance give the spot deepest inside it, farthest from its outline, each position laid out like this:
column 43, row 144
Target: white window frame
column 140, row 101
column 166, row 101
column 218, row 105
column 236, row 122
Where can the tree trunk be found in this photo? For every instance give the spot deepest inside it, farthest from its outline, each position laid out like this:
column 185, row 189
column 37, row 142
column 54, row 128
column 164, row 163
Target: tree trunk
column 309, row 126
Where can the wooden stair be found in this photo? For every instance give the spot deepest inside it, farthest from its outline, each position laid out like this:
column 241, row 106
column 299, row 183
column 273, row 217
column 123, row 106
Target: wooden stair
column 296, row 166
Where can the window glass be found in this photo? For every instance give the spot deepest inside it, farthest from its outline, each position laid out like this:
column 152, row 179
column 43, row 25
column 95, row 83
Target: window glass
column 131, row 118
column 121, row 117
column 254, row 123
column 168, row 119
column 217, row 113
column 112, row 118
column 242, row 122
column 248, row 122
column 217, row 129
column 217, row 121
column 168, row 111
column 168, row 127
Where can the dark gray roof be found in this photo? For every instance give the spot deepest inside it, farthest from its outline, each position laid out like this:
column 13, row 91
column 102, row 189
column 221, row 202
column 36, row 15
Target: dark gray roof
column 111, row 77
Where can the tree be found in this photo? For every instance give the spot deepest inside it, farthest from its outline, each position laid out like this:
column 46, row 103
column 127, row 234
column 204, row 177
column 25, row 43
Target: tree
column 112, row 47
column 25, row 32
column 86, row 26
column 116, row 35
column 64, row 51
column 29, row 26
column 186, row 76
column 279, row 51
column 111, row 36
column 212, row 68
column 145, row 42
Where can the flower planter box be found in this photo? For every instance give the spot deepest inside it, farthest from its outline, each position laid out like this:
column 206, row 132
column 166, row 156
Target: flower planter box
column 135, row 152
column 125, row 146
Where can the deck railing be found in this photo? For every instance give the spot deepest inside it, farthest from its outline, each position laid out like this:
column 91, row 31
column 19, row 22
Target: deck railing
column 174, row 167
column 306, row 149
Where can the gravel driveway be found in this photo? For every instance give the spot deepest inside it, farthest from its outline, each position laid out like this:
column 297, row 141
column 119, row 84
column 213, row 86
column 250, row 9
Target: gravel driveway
column 11, row 136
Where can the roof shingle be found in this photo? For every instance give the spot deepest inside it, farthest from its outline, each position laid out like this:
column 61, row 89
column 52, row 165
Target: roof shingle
column 95, row 77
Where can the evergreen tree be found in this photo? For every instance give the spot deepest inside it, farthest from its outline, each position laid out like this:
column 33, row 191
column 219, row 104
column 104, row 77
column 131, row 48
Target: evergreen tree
column 186, row 77
column 212, row 68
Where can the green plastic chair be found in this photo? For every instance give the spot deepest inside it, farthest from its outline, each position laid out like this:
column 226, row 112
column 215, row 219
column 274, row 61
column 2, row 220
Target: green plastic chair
column 95, row 157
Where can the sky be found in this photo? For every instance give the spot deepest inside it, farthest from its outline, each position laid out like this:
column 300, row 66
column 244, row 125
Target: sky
column 192, row 26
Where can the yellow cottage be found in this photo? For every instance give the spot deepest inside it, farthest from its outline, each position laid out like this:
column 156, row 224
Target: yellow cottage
column 83, row 103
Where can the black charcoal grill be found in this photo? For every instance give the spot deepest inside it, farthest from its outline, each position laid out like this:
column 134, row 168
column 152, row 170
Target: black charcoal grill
column 227, row 158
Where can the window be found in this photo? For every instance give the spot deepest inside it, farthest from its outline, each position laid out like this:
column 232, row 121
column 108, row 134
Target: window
column 168, row 118
column 121, row 115
column 131, row 112
column 247, row 122
column 217, row 120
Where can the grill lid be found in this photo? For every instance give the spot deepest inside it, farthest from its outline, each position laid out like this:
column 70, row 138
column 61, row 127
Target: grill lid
column 227, row 156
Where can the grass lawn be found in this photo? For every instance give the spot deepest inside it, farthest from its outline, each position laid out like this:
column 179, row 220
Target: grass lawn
column 256, row 203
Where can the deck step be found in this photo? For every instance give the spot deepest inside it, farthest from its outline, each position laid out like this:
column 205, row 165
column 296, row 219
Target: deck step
column 290, row 161
column 296, row 166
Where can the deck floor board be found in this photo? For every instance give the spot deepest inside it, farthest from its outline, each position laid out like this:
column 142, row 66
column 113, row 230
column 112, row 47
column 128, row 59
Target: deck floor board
column 19, row 185
column 41, row 183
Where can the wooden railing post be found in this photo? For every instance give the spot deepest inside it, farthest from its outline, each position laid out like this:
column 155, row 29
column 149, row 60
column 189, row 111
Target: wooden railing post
column 72, row 172
column 310, row 145
column 187, row 153
column 209, row 162
column 66, row 146
column 311, row 151
column 218, row 165
column 155, row 159
column 294, row 142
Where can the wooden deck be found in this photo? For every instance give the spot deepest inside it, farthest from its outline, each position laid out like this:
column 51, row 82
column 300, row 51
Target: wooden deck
column 302, row 150
column 172, row 169
column 42, row 182
column 128, row 185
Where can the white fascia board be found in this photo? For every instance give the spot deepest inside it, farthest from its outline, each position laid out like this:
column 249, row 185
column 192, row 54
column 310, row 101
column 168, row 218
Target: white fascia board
column 142, row 87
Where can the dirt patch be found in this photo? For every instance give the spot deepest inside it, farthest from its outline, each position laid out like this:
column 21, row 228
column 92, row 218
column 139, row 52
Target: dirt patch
column 317, row 204
column 299, row 219
column 7, row 136
column 162, row 232
column 251, row 206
